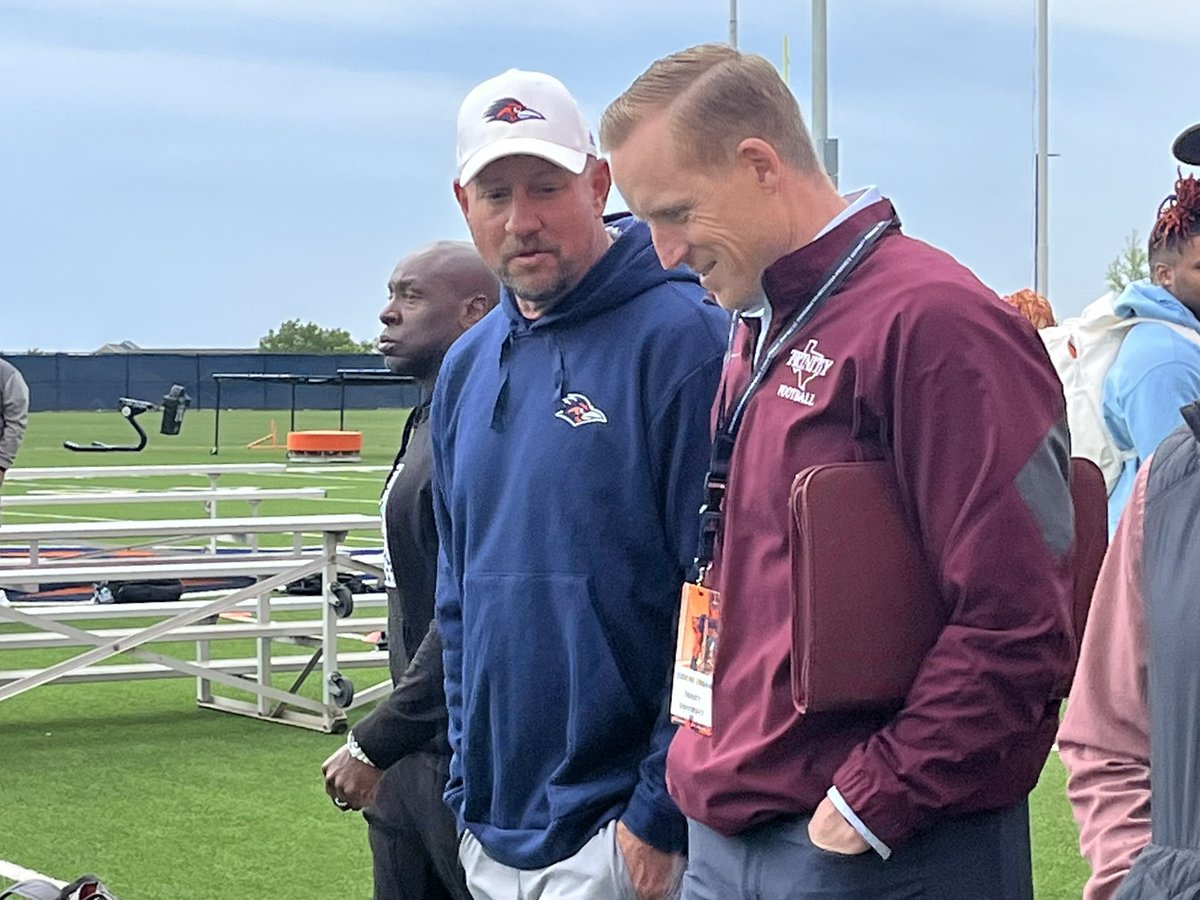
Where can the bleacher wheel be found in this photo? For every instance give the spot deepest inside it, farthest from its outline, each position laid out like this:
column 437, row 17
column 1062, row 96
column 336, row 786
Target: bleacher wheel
column 342, row 601
column 341, row 690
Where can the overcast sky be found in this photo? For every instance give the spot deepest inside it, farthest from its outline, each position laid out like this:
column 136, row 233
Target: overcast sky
column 193, row 172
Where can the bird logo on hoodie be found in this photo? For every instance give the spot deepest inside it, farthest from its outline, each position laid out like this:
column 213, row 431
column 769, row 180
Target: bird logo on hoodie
column 511, row 110
column 579, row 410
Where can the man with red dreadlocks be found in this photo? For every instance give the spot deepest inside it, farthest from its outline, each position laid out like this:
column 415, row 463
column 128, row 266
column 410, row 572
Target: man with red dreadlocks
column 1157, row 369
column 1131, row 736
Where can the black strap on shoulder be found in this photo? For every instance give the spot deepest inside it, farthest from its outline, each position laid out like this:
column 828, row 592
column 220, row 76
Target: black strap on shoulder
column 729, row 421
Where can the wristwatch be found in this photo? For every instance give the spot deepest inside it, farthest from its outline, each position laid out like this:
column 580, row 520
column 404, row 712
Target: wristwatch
column 356, row 751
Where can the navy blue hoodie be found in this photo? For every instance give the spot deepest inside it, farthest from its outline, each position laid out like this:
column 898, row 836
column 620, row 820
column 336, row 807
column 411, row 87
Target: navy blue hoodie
column 569, row 458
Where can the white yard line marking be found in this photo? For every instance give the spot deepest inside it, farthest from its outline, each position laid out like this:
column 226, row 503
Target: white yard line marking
column 322, row 470
column 364, row 500
column 308, row 476
column 13, row 872
column 34, row 514
column 83, row 485
column 370, row 541
column 64, row 489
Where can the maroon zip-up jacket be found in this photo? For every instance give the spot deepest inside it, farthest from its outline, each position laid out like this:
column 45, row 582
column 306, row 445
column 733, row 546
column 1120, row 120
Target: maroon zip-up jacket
column 914, row 361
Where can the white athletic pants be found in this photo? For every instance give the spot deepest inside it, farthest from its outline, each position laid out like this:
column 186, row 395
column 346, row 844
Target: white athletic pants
column 596, row 872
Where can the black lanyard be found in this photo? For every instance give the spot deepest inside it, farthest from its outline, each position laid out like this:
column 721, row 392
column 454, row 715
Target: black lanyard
column 717, row 480
column 416, row 417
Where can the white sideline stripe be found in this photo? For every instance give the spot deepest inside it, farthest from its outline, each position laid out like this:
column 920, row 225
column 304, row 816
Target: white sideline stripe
column 13, row 872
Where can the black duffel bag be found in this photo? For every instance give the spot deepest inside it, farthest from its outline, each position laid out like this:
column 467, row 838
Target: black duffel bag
column 150, row 590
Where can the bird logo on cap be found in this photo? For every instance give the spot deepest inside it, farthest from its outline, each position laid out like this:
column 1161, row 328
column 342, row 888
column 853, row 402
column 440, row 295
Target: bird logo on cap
column 510, row 110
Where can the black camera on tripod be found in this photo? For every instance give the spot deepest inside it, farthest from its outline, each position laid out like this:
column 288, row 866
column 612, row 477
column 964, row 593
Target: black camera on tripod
column 174, row 405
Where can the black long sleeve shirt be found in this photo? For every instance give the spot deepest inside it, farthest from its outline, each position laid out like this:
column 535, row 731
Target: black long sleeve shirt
column 413, row 716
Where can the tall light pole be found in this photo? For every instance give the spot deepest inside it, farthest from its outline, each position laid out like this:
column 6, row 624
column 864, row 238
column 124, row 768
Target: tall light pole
column 826, row 148
column 732, row 23
column 1041, row 275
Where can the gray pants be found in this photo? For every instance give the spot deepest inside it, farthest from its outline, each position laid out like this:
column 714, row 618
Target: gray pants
column 413, row 837
column 596, row 872
column 984, row 856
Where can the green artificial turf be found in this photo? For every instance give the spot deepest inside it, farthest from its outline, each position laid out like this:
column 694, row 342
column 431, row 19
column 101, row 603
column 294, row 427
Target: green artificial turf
column 163, row 800
column 42, row 446
column 347, row 491
column 1058, row 870
column 132, row 780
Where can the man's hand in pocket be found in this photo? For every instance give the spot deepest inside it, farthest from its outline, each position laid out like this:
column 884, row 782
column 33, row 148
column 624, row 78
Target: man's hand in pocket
column 829, row 831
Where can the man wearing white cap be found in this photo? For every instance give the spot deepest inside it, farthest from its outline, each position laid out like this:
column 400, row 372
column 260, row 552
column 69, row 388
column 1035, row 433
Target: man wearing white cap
column 570, row 432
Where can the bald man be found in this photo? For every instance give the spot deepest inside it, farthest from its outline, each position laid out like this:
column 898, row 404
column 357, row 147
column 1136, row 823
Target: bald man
column 395, row 763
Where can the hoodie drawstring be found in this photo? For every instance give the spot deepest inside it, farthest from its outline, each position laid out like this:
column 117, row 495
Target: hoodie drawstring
column 506, row 350
column 501, row 403
column 560, row 370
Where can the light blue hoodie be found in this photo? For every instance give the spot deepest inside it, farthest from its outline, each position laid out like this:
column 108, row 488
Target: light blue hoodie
column 1155, row 373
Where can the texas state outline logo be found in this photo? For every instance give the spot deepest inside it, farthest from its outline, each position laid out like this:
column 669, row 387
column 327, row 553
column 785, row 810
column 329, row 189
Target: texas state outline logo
column 806, row 365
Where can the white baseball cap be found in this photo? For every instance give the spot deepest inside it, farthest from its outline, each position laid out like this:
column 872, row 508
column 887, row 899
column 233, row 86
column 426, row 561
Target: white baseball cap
column 521, row 114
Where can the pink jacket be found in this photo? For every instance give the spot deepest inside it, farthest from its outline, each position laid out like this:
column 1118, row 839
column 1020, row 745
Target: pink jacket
column 1104, row 740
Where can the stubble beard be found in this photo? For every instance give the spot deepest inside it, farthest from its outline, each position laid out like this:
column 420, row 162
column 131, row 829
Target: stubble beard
column 538, row 289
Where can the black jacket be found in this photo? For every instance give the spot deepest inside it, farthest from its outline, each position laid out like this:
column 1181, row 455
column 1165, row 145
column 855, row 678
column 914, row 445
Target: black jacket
column 413, row 716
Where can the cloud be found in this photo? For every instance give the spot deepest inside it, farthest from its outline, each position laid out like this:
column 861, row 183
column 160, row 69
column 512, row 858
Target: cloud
column 76, row 81
column 283, row 152
column 1173, row 20
column 407, row 16
column 1170, row 19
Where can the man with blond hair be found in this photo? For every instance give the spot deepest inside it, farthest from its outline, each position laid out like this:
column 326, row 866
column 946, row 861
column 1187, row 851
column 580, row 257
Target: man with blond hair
column 855, row 343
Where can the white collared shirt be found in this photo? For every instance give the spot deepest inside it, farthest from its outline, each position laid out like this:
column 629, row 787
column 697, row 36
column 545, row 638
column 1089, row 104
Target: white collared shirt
column 857, row 201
